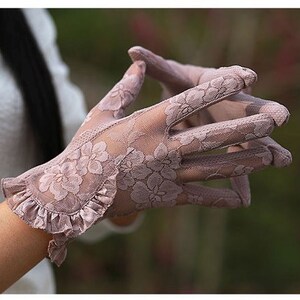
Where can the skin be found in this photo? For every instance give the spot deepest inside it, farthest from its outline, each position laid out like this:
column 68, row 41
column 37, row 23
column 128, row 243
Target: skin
column 22, row 247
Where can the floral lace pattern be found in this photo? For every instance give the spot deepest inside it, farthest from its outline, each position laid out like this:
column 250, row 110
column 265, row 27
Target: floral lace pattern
column 128, row 136
column 118, row 165
column 64, row 179
column 61, row 180
column 131, row 169
column 154, row 169
column 176, row 77
column 164, row 161
column 123, row 93
column 205, row 94
column 91, row 158
column 156, row 192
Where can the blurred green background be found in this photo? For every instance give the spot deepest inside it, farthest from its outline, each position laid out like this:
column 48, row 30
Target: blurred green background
column 194, row 249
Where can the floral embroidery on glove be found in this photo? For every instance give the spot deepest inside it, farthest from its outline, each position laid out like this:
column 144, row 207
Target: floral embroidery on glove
column 131, row 169
column 175, row 78
column 117, row 165
column 156, row 192
column 61, row 180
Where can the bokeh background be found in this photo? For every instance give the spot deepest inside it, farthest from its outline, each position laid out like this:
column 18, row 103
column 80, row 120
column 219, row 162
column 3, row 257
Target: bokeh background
column 194, row 249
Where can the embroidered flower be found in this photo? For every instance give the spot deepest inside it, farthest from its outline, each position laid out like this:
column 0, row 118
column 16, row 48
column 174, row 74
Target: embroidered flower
column 91, row 158
column 176, row 108
column 187, row 138
column 183, row 104
column 61, row 180
column 164, row 161
column 157, row 192
column 194, row 97
column 259, row 130
column 128, row 135
column 215, row 90
column 116, row 98
column 131, row 167
column 220, row 87
column 211, row 139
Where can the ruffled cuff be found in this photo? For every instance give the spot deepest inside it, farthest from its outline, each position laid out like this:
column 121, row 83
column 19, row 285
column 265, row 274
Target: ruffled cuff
column 63, row 227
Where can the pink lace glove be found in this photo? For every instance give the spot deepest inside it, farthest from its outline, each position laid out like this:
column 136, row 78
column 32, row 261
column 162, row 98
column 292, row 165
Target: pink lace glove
column 116, row 165
column 236, row 109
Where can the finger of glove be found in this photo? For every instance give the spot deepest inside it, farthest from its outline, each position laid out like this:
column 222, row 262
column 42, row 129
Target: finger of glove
column 281, row 156
column 238, row 106
column 241, row 104
column 175, row 76
column 124, row 92
column 240, row 184
column 170, row 74
column 225, row 165
column 250, row 105
column 189, row 102
column 209, row 197
column 222, row 134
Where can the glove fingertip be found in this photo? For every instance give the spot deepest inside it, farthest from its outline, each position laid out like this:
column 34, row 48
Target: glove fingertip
column 281, row 157
column 279, row 113
column 136, row 53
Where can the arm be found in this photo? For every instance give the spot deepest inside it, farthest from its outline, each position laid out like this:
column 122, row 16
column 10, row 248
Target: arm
column 22, row 247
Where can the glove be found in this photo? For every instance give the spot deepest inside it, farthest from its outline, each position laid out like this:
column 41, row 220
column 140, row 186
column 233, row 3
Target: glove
column 175, row 78
column 117, row 165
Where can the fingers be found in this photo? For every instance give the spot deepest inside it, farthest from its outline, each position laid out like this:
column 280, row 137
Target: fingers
column 240, row 161
column 225, row 165
column 239, row 106
column 209, row 197
column 172, row 75
column 189, row 102
column 253, row 105
column 241, row 186
column 177, row 77
column 221, row 134
column 281, row 156
column 124, row 92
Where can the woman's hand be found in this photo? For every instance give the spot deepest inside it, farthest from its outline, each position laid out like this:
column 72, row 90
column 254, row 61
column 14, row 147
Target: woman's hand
column 117, row 165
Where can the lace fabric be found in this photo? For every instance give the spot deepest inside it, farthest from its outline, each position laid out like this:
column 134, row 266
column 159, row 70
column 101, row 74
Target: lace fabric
column 231, row 117
column 116, row 165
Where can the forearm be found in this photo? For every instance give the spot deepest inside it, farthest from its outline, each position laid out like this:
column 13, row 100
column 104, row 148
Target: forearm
column 22, row 247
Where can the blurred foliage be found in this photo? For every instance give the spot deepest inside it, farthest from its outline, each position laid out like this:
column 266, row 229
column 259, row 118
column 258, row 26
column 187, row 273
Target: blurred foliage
column 194, row 249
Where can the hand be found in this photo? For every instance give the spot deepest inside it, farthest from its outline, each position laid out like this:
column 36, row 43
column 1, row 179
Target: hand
column 176, row 77
column 117, row 165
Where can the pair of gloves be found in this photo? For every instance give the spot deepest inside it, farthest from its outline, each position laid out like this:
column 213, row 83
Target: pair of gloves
column 117, row 165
